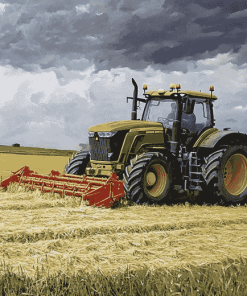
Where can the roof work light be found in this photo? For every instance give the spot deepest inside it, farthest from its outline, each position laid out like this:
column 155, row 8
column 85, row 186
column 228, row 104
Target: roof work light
column 211, row 89
column 178, row 86
column 145, row 87
column 172, row 86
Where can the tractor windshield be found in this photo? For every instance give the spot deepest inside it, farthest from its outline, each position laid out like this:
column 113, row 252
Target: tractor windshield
column 163, row 111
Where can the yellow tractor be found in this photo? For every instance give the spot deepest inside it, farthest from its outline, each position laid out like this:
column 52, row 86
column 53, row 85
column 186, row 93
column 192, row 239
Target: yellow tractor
column 174, row 143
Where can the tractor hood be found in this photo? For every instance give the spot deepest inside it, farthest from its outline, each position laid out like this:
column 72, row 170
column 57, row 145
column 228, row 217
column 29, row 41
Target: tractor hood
column 123, row 125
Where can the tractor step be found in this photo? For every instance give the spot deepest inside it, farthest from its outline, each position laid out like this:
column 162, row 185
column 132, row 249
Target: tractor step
column 98, row 191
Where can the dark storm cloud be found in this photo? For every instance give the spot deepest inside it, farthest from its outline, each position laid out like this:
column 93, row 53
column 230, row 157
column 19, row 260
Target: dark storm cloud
column 76, row 60
column 120, row 33
column 185, row 30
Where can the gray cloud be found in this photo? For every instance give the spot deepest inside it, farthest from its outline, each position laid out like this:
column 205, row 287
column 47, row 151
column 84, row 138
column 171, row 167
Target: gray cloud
column 122, row 33
column 231, row 120
column 71, row 62
column 238, row 14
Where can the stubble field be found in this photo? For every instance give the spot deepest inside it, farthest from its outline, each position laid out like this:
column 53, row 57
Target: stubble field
column 50, row 234
column 56, row 234
column 42, row 164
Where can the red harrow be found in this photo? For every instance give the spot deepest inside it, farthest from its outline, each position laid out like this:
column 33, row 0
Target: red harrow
column 98, row 191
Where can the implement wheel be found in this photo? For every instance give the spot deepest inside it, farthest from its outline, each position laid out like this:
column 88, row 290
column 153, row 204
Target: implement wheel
column 78, row 163
column 148, row 179
column 228, row 171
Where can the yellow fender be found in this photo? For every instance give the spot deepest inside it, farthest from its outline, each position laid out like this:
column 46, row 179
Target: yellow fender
column 205, row 136
column 211, row 137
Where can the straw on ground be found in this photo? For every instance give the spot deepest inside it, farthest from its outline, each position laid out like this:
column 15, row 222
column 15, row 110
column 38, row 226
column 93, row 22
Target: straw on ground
column 64, row 234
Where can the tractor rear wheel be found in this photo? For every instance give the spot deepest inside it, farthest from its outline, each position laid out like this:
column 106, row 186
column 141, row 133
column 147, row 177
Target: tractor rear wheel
column 148, row 179
column 226, row 171
column 78, row 163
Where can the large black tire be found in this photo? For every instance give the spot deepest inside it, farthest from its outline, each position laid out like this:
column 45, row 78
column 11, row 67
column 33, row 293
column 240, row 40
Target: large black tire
column 225, row 173
column 148, row 179
column 78, row 163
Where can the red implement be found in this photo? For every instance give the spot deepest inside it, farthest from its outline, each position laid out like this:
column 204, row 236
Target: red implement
column 98, row 191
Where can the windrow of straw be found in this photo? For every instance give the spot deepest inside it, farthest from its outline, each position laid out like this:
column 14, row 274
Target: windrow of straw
column 225, row 278
column 54, row 234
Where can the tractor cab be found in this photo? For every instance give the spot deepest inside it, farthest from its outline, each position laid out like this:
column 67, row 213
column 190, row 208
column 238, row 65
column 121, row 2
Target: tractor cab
column 188, row 113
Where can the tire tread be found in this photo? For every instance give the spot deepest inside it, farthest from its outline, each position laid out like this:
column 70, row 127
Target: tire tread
column 77, row 164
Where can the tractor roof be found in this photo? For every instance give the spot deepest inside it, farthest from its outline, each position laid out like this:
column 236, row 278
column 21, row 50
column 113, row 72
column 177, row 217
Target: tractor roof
column 190, row 93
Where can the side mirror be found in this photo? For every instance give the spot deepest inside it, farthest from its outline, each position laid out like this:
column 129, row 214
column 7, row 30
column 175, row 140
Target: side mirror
column 189, row 106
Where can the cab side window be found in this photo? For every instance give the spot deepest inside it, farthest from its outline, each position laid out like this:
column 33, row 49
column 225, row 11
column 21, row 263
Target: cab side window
column 200, row 112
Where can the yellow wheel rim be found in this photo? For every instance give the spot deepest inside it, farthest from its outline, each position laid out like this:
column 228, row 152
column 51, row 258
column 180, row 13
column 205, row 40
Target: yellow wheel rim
column 155, row 180
column 235, row 174
column 151, row 178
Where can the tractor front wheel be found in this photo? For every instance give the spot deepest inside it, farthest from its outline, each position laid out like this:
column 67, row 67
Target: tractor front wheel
column 78, row 163
column 226, row 170
column 148, row 179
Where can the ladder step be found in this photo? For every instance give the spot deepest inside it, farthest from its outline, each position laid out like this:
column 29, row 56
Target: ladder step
column 196, row 188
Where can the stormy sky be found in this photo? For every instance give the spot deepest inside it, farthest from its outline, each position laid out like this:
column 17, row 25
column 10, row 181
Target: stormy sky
column 67, row 65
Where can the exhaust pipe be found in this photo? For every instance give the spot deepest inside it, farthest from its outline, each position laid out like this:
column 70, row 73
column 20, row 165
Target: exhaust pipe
column 134, row 106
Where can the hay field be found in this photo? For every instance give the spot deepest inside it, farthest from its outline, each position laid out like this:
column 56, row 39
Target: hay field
column 55, row 234
column 48, row 234
column 38, row 163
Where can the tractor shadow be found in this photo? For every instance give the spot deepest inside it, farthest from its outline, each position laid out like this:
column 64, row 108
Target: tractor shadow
column 183, row 197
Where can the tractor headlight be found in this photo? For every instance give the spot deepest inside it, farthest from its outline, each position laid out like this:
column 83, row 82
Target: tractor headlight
column 91, row 134
column 106, row 134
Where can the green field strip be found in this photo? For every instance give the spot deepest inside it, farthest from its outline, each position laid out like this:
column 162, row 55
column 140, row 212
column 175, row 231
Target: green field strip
column 35, row 151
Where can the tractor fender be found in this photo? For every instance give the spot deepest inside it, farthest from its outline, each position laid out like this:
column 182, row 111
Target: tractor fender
column 204, row 136
column 213, row 137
